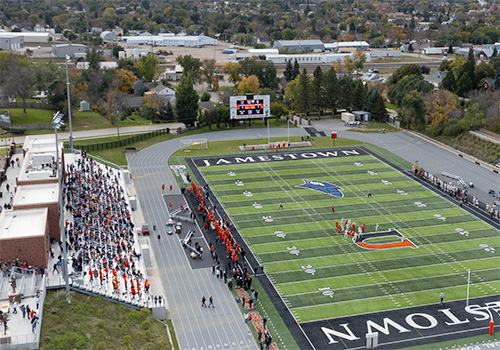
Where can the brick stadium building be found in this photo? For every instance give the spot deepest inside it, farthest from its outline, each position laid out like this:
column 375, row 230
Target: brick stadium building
column 24, row 235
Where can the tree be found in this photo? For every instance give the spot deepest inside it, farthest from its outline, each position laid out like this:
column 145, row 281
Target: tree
column 266, row 72
column 168, row 114
column 484, row 71
column 296, row 69
column 209, row 67
column 288, row 73
column 94, row 57
column 292, row 93
column 209, row 117
column 413, row 108
column 116, row 49
column 449, row 82
column 398, row 91
column 233, row 69
column 57, row 95
column 332, row 90
column 495, row 52
column 403, row 71
column 249, row 85
column 124, row 81
column 318, row 88
column 346, row 88
column 247, row 67
column 359, row 95
column 497, row 80
column 349, row 64
column 470, row 68
column 148, row 66
column 186, row 100
column 464, row 85
column 304, row 100
column 359, row 59
column 379, row 112
column 439, row 105
column 44, row 74
column 450, row 49
column 20, row 81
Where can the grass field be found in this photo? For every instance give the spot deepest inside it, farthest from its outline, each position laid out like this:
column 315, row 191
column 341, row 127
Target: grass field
column 312, row 256
column 95, row 323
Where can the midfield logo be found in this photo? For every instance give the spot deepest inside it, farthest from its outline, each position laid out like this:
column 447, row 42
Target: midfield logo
column 321, row 186
column 398, row 241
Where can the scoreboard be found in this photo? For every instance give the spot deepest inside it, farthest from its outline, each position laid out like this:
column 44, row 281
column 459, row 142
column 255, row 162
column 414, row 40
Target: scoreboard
column 257, row 106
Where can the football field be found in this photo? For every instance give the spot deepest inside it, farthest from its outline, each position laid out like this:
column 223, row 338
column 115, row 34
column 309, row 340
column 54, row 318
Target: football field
column 415, row 243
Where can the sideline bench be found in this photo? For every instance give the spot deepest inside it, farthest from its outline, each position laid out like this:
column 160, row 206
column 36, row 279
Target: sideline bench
column 273, row 145
column 130, row 149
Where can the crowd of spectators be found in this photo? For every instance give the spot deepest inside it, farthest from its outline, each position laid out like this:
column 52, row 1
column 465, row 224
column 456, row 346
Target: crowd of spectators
column 100, row 236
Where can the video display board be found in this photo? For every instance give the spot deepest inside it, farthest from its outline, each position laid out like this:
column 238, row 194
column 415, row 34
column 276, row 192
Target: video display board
column 245, row 107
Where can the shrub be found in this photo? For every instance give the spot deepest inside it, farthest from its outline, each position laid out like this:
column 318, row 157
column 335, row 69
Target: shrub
column 205, row 97
column 15, row 130
column 147, row 334
column 145, row 324
column 127, row 339
column 100, row 323
column 101, row 345
column 125, row 328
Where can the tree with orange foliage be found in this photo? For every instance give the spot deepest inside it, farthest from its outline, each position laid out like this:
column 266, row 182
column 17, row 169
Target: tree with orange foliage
column 250, row 84
column 124, row 80
column 439, row 105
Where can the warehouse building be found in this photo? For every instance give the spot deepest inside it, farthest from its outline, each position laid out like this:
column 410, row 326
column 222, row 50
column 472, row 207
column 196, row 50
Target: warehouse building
column 170, row 39
column 72, row 50
column 300, row 45
column 10, row 43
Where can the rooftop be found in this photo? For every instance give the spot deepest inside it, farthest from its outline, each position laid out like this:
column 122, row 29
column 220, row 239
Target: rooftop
column 36, row 194
column 32, row 141
column 15, row 224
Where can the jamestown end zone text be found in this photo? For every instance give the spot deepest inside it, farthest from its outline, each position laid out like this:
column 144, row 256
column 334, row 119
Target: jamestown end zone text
column 406, row 327
column 262, row 158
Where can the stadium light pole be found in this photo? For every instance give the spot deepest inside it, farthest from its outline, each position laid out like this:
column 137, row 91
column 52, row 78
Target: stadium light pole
column 288, row 129
column 69, row 105
column 57, row 123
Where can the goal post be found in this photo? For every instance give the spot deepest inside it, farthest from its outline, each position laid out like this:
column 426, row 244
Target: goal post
column 190, row 144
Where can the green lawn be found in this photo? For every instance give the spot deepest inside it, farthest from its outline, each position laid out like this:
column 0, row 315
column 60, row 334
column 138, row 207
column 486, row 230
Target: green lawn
column 364, row 280
column 94, row 323
column 80, row 120
column 375, row 127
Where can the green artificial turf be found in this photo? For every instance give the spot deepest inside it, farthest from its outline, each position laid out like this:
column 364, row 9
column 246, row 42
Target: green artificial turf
column 448, row 240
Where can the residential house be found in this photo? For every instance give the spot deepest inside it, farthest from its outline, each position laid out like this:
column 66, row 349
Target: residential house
column 164, row 92
column 372, row 78
column 487, row 84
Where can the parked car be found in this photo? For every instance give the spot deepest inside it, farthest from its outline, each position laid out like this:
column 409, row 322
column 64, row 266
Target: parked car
column 145, row 229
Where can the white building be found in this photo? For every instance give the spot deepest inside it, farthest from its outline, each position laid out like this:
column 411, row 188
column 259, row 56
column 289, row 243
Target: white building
column 435, row 50
column 102, row 65
column 72, row 50
column 31, row 37
column 108, row 35
column 315, row 58
column 173, row 73
column 133, row 53
column 10, row 43
column 339, row 46
column 170, row 40
column 384, row 53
